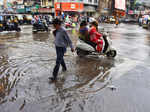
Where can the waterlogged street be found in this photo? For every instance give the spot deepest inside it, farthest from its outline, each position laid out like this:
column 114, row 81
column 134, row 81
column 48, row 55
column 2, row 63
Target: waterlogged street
column 91, row 84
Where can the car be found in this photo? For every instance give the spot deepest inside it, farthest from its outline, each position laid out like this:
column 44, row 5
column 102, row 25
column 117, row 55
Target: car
column 20, row 18
column 130, row 20
column 112, row 19
column 9, row 22
column 27, row 19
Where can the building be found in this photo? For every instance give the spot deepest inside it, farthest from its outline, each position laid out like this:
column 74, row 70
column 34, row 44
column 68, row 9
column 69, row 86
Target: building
column 87, row 7
column 46, row 7
column 106, row 7
column 90, row 7
column 34, row 6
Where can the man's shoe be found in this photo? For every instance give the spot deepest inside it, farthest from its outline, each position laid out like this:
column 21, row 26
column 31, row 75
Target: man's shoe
column 64, row 69
column 52, row 79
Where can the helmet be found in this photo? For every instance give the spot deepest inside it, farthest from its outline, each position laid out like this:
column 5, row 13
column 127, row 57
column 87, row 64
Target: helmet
column 91, row 19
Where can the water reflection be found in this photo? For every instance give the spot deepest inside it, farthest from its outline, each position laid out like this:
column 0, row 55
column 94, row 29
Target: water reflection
column 10, row 35
column 86, row 70
column 8, row 80
column 94, row 66
column 147, row 40
column 40, row 37
column 87, row 76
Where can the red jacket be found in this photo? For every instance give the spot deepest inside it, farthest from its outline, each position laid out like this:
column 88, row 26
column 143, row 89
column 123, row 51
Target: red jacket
column 94, row 35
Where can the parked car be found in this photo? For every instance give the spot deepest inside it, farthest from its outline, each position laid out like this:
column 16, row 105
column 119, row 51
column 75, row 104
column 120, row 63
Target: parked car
column 20, row 18
column 112, row 19
column 27, row 19
column 130, row 20
column 9, row 22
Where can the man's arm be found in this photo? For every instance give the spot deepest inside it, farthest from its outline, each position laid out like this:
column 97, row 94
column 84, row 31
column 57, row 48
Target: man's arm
column 67, row 38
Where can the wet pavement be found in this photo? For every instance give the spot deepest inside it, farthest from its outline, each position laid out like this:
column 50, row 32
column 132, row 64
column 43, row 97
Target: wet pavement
column 91, row 84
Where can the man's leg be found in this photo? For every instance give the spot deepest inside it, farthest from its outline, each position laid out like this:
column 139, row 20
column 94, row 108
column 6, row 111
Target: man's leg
column 64, row 68
column 58, row 61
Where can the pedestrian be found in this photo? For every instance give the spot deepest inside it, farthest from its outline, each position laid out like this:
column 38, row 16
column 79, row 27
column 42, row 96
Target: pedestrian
column 62, row 41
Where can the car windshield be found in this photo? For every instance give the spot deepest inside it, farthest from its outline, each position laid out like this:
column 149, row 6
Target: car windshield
column 20, row 16
column 29, row 16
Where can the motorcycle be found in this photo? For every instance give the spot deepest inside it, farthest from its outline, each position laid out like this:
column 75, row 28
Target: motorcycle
column 11, row 27
column 39, row 27
column 83, row 48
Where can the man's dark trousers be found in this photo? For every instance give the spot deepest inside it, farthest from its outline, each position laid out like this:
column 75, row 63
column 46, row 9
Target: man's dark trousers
column 59, row 61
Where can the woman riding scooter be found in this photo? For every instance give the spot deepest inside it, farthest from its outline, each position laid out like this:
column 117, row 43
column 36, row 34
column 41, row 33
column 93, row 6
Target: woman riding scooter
column 95, row 36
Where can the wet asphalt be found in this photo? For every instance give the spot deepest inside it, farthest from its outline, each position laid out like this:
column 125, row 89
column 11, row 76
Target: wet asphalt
column 91, row 84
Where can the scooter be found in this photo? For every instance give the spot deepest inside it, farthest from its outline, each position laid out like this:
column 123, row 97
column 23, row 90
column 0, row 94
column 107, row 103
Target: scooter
column 40, row 27
column 11, row 27
column 83, row 49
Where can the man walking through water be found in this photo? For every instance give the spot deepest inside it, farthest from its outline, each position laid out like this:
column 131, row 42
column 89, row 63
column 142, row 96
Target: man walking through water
column 62, row 41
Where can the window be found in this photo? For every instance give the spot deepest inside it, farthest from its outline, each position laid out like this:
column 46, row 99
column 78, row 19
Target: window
column 95, row 1
column 90, row 1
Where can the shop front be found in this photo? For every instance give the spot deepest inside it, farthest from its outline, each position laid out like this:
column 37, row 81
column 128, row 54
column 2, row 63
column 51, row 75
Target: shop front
column 90, row 10
column 20, row 9
column 68, row 7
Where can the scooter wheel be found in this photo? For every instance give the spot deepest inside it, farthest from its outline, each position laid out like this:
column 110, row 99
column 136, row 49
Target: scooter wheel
column 34, row 32
column 18, row 30
column 111, row 53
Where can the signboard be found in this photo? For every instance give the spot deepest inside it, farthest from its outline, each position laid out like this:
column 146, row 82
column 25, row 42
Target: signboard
column 73, row 6
column 120, row 4
column 58, row 6
column 65, row 6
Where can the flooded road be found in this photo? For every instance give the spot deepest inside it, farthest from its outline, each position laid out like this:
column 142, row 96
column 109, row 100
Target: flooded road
column 91, row 84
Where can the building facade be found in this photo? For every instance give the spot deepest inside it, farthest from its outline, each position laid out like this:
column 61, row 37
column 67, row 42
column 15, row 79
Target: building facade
column 76, row 6
column 106, row 7
column 34, row 6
